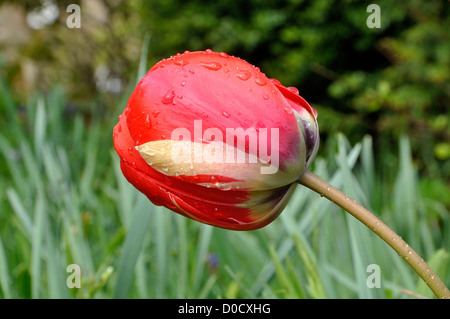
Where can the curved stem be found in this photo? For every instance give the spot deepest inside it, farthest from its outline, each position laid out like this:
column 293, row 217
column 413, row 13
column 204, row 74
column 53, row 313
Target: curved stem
column 318, row 185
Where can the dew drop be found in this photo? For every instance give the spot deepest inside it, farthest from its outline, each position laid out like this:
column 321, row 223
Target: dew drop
column 260, row 81
column 155, row 114
column 183, row 83
column 265, row 97
column 328, row 189
column 214, row 66
column 150, row 152
column 208, row 51
column 288, row 110
column 223, row 54
column 226, row 187
column 225, row 114
column 243, row 75
column 275, row 81
column 168, row 98
column 191, row 71
column 180, row 62
column 293, row 90
column 148, row 122
column 130, row 150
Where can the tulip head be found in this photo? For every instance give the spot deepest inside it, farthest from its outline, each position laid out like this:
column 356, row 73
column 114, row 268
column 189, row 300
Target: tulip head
column 209, row 136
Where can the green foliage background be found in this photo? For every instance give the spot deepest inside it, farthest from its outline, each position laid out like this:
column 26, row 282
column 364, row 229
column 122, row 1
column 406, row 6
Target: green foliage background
column 390, row 83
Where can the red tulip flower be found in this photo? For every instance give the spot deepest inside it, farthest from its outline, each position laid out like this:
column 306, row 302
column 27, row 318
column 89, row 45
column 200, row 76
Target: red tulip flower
column 209, row 136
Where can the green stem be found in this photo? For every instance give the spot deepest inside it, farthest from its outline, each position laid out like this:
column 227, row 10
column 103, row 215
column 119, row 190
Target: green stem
column 318, row 185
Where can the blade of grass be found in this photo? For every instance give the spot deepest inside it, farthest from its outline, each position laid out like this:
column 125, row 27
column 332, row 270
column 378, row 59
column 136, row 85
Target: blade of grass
column 315, row 287
column 161, row 241
column 57, row 286
column 283, row 277
column 354, row 227
column 40, row 124
column 182, row 260
column 37, row 246
column 202, row 250
column 21, row 213
column 130, row 253
column 142, row 69
column 5, row 279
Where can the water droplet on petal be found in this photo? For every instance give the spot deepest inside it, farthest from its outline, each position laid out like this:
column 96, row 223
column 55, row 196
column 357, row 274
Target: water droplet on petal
column 226, row 187
column 155, row 114
column 223, row 54
column 293, row 90
column 208, row 51
column 265, row 97
column 191, row 71
column 275, row 81
column 168, row 98
column 214, row 66
column 130, row 150
column 260, row 81
column 244, row 75
column 288, row 110
column 183, row 83
column 180, row 62
column 148, row 122
column 225, row 114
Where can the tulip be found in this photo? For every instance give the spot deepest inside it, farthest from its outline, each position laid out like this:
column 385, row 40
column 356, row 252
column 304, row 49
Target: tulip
column 210, row 137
